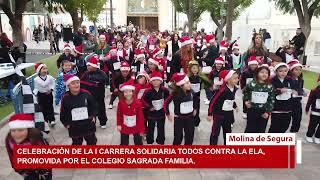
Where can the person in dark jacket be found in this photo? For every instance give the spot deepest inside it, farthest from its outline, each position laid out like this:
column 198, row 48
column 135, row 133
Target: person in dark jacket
column 185, row 109
column 281, row 113
column 66, row 55
column 78, row 112
column 78, row 37
column 286, row 53
column 222, row 105
column 297, row 85
column 314, row 123
column 94, row 80
column 153, row 100
column 299, row 40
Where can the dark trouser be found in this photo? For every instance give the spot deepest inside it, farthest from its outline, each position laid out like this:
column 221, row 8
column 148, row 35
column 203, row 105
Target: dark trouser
column 36, row 176
column 255, row 122
column 136, row 138
column 219, row 121
column 46, row 105
column 145, row 114
column 183, row 124
column 91, row 139
column 314, row 126
column 280, row 122
column 102, row 111
column 113, row 97
column 209, row 93
column 197, row 117
column 159, row 122
column 296, row 116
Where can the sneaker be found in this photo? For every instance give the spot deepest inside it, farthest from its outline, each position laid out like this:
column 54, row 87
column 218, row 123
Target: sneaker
column 244, row 116
column 110, row 106
column 231, row 126
column 103, row 127
column 317, row 140
column 207, row 102
column 309, row 139
column 52, row 123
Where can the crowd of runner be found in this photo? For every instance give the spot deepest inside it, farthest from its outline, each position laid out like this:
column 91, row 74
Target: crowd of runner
column 149, row 70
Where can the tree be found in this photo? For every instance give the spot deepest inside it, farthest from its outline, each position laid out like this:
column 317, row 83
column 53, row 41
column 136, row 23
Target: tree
column 233, row 12
column 305, row 10
column 192, row 8
column 92, row 9
column 15, row 18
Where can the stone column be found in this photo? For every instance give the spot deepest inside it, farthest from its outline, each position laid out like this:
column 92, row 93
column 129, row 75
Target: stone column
column 163, row 15
column 121, row 12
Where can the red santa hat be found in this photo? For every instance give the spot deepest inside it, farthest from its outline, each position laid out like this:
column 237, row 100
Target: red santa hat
column 93, row 62
column 156, row 75
column 253, row 60
column 294, row 60
column 38, row 67
column 180, row 78
column 219, row 60
column 226, row 74
column 293, row 64
column 21, row 121
column 223, row 46
column 102, row 36
column 78, row 49
column 280, row 65
column 153, row 61
column 124, row 66
column 235, row 46
column 139, row 54
column 129, row 85
column 66, row 47
column 113, row 49
column 157, row 51
column 185, row 40
column 209, row 38
column 143, row 73
column 68, row 78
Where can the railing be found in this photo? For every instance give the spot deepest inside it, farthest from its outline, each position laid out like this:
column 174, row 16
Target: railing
column 16, row 94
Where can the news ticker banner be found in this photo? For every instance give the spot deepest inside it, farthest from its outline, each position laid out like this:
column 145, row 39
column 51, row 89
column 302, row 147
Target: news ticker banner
column 242, row 151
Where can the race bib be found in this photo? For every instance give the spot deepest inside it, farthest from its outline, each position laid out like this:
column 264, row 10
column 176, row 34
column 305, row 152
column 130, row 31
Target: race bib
column 217, row 81
column 134, row 68
column 158, row 104
column 248, row 80
column 116, row 66
column 168, row 69
column 318, row 104
column 140, row 93
column 101, row 56
column 206, row 69
column 130, row 121
column 186, row 107
column 195, row 87
column 204, row 64
column 227, row 105
column 79, row 114
column 259, row 97
column 284, row 96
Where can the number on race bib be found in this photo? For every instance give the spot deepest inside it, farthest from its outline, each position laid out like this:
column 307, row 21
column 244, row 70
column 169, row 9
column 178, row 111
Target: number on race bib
column 227, row 105
column 158, row 104
column 130, row 121
column 186, row 107
column 259, row 97
column 79, row 114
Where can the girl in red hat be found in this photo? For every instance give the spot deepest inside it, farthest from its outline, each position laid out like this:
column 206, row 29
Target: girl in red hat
column 130, row 119
column 23, row 132
column 185, row 109
column 222, row 105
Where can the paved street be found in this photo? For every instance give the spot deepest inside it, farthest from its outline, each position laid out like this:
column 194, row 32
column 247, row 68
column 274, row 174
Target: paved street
column 309, row 170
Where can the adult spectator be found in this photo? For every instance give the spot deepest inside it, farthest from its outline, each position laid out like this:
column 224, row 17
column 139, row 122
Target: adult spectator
column 266, row 38
column 258, row 49
column 78, row 37
column 88, row 44
column 299, row 40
